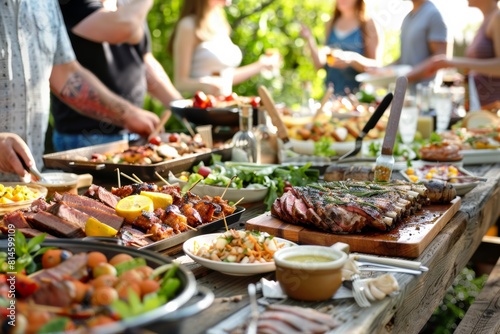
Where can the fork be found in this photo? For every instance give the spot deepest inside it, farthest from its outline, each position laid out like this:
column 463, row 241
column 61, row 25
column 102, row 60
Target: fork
column 254, row 310
column 358, row 291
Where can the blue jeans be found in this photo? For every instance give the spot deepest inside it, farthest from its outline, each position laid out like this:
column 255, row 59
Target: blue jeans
column 64, row 142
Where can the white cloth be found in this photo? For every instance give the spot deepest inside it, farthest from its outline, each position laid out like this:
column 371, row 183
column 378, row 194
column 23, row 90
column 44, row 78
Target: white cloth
column 33, row 38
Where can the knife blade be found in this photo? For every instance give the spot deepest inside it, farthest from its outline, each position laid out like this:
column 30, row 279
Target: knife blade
column 385, row 161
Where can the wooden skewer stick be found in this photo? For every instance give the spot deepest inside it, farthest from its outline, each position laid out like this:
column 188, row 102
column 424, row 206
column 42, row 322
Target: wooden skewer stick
column 137, row 178
column 241, row 199
column 146, row 235
column 128, row 177
column 190, row 227
column 188, row 126
column 227, row 186
column 162, row 178
column 119, row 178
column 225, row 222
column 194, row 185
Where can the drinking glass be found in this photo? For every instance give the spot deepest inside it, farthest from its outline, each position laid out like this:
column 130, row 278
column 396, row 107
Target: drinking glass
column 443, row 106
column 409, row 120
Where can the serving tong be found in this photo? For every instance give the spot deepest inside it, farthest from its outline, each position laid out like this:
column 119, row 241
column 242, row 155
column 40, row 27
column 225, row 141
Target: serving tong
column 254, row 309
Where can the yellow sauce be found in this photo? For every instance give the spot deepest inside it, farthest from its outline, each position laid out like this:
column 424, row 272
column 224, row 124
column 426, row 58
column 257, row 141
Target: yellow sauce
column 309, row 258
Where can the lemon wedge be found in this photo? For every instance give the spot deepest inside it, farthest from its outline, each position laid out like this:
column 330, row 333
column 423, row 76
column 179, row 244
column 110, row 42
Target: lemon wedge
column 94, row 228
column 160, row 200
column 132, row 206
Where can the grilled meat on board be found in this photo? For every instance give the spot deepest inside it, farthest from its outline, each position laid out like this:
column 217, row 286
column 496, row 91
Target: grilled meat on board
column 438, row 192
column 350, row 206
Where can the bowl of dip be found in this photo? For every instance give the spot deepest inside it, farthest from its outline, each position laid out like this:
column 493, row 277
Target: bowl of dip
column 310, row 273
column 64, row 182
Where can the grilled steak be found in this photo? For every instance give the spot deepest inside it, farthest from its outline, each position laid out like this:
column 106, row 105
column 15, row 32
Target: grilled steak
column 54, row 225
column 101, row 194
column 15, row 218
column 111, row 219
column 350, row 206
column 66, row 212
column 78, row 200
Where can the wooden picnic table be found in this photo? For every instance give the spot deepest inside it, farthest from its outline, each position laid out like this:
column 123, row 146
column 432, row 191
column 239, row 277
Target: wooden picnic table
column 407, row 312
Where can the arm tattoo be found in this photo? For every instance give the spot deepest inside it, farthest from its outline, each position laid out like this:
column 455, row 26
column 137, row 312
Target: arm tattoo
column 89, row 100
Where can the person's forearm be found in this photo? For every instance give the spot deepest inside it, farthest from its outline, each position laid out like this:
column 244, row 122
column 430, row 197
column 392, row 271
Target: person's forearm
column 361, row 63
column 81, row 90
column 159, row 84
column 244, row 73
column 484, row 66
column 122, row 25
column 313, row 48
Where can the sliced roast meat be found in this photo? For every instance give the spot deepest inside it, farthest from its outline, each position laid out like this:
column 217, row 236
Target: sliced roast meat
column 82, row 201
column 102, row 195
column 15, row 218
column 111, row 219
column 56, row 226
column 69, row 213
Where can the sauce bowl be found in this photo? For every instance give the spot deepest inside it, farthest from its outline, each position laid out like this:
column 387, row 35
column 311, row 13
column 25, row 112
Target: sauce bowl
column 310, row 273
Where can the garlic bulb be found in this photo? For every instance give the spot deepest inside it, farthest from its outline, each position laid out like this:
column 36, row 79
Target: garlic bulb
column 379, row 287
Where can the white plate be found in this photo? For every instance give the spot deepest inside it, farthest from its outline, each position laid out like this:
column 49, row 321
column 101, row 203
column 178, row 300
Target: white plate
column 461, row 188
column 234, row 269
column 477, row 157
column 231, row 195
column 384, row 76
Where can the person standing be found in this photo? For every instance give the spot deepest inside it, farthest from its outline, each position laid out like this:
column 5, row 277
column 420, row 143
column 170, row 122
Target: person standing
column 112, row 40
column 423, row 35
column 205, row 58
column 352, row 44
column 482, row 57
column 36, row 57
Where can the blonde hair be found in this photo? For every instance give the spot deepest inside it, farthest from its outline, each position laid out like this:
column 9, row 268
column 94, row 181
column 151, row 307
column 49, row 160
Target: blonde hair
column 204, row 19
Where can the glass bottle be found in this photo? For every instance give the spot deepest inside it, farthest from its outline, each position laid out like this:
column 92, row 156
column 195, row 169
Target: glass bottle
column 245, row 147
column 267, row 139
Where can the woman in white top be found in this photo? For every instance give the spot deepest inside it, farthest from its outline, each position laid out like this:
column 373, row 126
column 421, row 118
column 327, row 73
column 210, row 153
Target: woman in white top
column 205, row 57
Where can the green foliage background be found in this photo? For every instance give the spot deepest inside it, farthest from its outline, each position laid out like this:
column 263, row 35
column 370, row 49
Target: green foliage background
column 257, row 26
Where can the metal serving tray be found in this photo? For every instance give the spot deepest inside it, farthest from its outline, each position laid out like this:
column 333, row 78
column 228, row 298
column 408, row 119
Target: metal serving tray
column 73, row 161
column 203, row 229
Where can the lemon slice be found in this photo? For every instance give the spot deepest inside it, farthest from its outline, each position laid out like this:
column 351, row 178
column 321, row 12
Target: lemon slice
column 132, row 206
column 160, row 200
column 94, row 228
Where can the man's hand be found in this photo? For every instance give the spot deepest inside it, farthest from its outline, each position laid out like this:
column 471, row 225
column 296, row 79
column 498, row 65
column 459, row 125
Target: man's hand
column 141, row 121
column 14, row 148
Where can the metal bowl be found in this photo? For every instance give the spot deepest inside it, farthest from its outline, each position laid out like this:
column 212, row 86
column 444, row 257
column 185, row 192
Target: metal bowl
column 171, row 311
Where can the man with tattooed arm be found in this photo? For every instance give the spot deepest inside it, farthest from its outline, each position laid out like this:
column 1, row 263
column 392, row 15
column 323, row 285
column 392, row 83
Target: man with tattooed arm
column 35, row 58
column 112, row 40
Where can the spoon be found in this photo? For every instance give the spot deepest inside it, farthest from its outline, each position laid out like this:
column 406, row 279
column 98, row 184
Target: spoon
column 385, row 161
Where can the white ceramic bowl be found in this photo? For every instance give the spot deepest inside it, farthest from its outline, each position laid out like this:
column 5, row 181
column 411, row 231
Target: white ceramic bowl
column 234, row 269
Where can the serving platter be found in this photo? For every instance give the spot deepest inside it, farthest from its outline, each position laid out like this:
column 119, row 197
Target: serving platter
column 75, row 161
column 461, row 188
column 235, row 269
column 41, row 192
column 385, row 76
column 408, row 239
column 477, row 157
column 242, row 196
column 179, row 239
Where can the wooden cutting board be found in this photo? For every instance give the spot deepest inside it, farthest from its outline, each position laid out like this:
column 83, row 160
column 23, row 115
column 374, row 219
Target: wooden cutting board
column 408, row 239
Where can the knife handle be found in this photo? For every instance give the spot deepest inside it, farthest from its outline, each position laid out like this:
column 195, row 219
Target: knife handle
column 379, row 111
column 270, row 107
